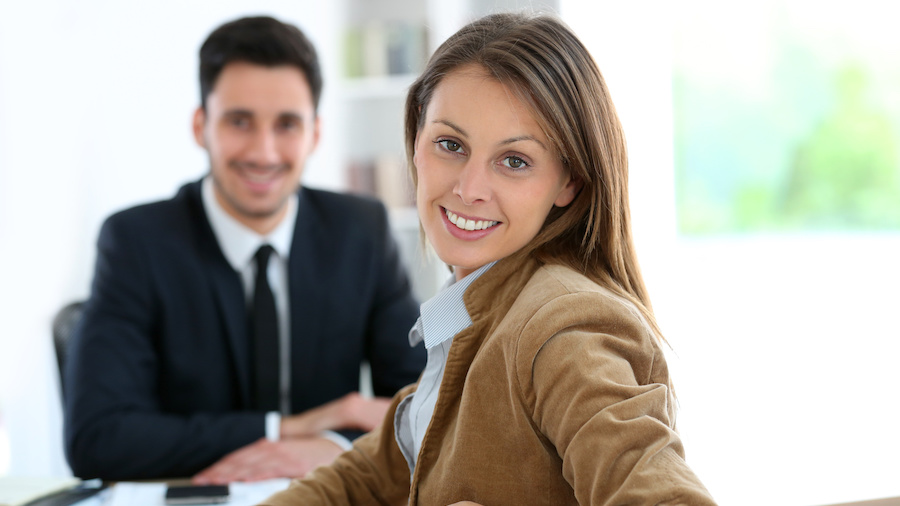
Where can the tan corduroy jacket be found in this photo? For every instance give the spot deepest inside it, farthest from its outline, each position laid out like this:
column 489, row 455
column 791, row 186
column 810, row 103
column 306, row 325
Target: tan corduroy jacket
column 557, row 394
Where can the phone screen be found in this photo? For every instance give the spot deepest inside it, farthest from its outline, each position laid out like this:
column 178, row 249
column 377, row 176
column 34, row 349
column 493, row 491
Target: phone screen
column 197, row 494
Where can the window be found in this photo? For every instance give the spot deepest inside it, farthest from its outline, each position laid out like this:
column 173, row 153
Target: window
column 763, row 157
column 787, row 118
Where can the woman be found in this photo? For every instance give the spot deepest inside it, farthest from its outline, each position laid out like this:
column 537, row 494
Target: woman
column 545, row 381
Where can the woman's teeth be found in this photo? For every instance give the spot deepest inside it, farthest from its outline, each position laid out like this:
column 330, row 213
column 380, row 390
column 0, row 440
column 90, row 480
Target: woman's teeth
column 465, row 224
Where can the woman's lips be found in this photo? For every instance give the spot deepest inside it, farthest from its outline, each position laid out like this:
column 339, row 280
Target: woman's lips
column 465, row 228
column 468, row 224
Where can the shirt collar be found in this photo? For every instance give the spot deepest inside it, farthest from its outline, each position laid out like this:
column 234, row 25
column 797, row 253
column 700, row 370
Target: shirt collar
column 238, row 242
column 444, row 315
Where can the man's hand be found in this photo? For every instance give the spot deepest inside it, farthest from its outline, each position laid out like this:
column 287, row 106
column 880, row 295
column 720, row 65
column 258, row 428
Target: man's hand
column 351, row 411
column 264, row 459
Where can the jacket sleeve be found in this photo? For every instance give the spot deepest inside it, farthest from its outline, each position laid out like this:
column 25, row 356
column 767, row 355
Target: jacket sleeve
column 599, row 390
column 372, row 472
column 115, row 428
column 394, row 363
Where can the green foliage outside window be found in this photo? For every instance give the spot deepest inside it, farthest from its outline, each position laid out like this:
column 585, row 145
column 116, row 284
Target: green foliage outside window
column 789, row 123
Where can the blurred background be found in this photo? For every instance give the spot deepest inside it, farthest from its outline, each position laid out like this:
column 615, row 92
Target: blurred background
column 765, row 181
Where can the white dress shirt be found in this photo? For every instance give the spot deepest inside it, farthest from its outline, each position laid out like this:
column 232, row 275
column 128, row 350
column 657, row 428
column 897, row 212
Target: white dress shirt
column 441, row 317
column 239, row 244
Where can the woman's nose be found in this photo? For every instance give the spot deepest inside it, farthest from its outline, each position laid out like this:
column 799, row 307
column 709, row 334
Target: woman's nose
column 473, row 184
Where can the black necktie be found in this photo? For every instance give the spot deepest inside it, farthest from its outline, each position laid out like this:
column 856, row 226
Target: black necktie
column 264, row 321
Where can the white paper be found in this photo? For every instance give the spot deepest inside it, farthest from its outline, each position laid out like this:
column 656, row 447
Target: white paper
column 153, row 494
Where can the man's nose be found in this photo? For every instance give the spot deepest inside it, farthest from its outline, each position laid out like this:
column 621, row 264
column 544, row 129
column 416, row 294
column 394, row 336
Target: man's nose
column 264, row 148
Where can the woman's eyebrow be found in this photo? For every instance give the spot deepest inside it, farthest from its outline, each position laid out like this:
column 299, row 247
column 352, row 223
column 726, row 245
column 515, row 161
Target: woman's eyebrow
column 452, row 125
column 524, row 138
column 511, row 140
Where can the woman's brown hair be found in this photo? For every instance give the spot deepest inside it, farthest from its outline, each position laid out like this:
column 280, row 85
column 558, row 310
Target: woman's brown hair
column 541, row 59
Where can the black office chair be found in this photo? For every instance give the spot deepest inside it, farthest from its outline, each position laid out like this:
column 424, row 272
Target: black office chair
column 63, row 324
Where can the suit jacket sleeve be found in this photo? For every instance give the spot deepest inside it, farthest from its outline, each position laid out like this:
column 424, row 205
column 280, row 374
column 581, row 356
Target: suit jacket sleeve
column 114, row 425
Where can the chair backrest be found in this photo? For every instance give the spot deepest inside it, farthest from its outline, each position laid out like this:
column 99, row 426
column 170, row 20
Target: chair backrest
column 63, row 324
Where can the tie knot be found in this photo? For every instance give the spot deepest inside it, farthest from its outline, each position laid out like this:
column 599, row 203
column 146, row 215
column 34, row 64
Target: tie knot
column 262, row 256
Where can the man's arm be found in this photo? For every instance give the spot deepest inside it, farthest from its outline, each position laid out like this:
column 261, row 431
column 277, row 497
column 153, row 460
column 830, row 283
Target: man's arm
column 115, row 427
column 264, row 459
column 373, row 472
column 301, row 447
column 352, row 411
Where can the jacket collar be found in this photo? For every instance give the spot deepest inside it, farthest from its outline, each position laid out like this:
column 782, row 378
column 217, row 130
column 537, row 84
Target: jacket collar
column 496, row 290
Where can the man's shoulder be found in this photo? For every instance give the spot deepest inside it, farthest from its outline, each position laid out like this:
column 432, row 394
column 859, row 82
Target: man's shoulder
column 163, row 208
column 160, row 216
column 336, row 200
column 344, row 208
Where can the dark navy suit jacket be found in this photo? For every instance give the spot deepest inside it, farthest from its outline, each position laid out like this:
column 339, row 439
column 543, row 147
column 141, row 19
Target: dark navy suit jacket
column 158, row 376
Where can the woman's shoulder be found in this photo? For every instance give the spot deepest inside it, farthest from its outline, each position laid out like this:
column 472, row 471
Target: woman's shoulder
column 553, row 281
column 562, row 311
column 558, row 297
column 529, row 299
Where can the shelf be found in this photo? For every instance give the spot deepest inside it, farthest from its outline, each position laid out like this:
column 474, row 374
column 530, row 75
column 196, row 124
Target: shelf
column 366, row 88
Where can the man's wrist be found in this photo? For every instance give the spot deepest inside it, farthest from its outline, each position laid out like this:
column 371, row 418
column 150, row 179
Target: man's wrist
column 273, row 426
column 337, row 439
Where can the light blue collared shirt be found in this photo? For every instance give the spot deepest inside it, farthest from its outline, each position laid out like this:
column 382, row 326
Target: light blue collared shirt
column 441, row 317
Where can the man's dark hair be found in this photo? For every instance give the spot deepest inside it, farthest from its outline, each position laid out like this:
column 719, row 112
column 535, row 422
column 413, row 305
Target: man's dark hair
column 262, row 41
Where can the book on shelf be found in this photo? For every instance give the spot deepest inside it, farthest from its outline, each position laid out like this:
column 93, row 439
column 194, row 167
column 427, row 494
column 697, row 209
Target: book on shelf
column 384, row 177
column 382, row 48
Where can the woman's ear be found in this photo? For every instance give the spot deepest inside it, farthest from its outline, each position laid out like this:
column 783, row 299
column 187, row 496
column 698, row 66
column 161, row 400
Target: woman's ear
column 568, row 192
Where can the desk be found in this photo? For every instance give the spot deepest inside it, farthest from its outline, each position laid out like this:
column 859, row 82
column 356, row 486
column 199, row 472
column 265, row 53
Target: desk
column 66, row 497
column 152, row 494
column 889, row 501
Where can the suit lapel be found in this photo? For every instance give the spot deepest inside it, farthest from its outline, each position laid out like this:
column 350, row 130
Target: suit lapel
column 307, row 319
column 229, row 294
column 227, row 291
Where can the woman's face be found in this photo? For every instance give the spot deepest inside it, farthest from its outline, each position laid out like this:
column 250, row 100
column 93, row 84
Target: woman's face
column 487, row 177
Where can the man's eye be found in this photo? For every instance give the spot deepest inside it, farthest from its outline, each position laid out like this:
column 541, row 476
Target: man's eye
column 514, row 162
column 450, row 145
column 240, row 122
column 288, row 125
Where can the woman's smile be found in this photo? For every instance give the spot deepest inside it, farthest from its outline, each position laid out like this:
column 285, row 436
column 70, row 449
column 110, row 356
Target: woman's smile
column 468, row 223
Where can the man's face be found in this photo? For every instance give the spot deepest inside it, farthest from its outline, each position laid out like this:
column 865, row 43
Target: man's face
column 259, row 127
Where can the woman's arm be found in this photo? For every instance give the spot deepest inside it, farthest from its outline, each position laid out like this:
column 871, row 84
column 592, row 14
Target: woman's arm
column 600, row 392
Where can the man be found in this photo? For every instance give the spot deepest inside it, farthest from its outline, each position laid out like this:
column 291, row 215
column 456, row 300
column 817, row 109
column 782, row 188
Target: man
column 226, row 327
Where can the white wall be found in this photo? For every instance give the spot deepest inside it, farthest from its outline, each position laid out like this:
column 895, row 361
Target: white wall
column 96, row 99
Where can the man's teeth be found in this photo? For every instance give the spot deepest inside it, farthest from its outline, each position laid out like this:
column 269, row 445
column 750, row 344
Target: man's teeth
column 465, row 224
column 259, row 174
column 259, row 177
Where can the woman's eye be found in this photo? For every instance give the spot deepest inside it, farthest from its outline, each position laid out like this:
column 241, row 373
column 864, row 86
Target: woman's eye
column 449, row 145
column 514, row 162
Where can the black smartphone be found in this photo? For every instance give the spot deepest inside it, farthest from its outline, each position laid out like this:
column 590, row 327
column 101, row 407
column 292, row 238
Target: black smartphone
column 197, row 494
